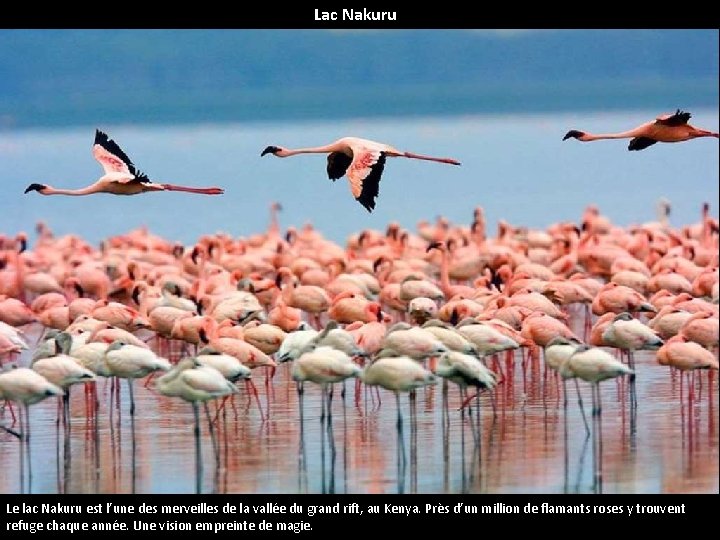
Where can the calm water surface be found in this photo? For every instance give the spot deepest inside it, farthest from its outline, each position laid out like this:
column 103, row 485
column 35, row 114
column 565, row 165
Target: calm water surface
column 532, row 445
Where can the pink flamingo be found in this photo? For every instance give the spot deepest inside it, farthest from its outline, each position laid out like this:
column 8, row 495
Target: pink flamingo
column 361, row 160
column 686, row 356
column 121, row 176
column 666, row 128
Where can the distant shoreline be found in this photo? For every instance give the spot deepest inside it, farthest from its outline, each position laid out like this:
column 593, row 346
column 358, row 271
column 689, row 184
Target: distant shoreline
column 310, row 104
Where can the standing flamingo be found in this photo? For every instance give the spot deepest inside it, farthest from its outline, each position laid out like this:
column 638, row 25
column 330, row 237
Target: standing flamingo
column 121, row 176
column 594, row 365
column 28, row 387
column 361, row 160
column 465, row 370
column 398, row 374
column 195, row 383
column 666, row 128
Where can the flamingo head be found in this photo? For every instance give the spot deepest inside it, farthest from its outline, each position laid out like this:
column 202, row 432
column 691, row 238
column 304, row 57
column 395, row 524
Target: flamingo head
column 275, row 151
column 574, row 134
column 36, row 187
column 116, row 345
column 197, row 250
column 178, row 250
column 74, row 284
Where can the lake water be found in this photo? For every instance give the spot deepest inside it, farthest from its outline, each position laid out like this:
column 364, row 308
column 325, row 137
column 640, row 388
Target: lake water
column 533, row 445
column 516, row 166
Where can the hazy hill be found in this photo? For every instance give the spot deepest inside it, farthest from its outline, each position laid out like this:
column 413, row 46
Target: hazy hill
column 57, row 77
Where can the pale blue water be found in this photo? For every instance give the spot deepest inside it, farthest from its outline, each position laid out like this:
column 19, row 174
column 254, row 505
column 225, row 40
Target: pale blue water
column 516, row 166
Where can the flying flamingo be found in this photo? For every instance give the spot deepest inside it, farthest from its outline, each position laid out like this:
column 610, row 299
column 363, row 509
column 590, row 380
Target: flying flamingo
column 666, row 128
column 361, row 160
column 121, row 176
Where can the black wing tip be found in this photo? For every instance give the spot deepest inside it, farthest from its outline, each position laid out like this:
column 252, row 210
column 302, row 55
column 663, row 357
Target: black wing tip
column 640, row 143
column 371, row 184
column 111, row 146
column 100, row 137
column 337, row 165
column 684, row 116
column 678, row 118
column 368, row 205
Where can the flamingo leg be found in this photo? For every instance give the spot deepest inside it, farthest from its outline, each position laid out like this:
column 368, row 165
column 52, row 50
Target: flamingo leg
column 149, row 379
column 27, row 442
column 12, row 411
column 132, row 397
column 10, row 431
column 213, row 437
column 301, row 392
column 582, row 409
column 257, row 399
column 467, row 400
column 401, row 439
column 220, row 408
column 22, row 452
column 198, row 449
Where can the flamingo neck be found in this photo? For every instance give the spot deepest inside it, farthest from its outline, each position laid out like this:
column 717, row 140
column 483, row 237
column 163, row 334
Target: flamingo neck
column 143, row 306
column 412, row 155
column 445, row 272
column 600, row 136
column 72, row 192
column 335, row 147
column 274, row 228
column 286, row 292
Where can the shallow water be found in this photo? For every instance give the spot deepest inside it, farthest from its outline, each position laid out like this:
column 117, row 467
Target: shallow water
column 532, row 445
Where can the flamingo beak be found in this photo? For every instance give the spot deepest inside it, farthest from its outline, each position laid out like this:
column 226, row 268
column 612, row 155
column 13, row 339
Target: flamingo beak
column 573, row 133
column 35, row 187
column 269, row 150
column 135, row 295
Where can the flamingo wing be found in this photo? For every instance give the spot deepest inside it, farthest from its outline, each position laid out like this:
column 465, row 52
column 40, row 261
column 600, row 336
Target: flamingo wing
column 679, row 118
column 337, row 164
column 640, row 143
column 113, row 159
column 204, row 380
column 364, row 175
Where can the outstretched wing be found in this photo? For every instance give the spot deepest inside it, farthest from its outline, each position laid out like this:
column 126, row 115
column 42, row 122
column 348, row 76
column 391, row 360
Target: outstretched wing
column 113, row 159
column 337, row 165
column 640, row 143
column 364, row 174
column 678, row 119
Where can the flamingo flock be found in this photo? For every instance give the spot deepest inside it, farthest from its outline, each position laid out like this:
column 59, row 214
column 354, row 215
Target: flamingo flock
column 394, row 309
